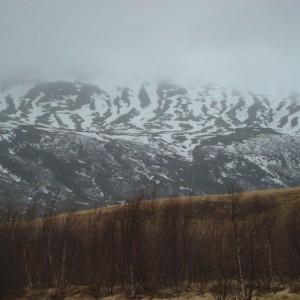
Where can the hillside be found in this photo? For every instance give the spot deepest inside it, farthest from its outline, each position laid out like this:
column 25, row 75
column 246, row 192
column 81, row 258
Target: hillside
column 89, row 145
column 280, row 199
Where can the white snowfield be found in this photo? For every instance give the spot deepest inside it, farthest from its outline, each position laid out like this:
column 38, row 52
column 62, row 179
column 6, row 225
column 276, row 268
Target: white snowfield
column 176, row 115
column 92, row 143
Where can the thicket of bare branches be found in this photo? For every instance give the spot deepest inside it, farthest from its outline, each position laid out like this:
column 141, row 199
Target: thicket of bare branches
column 229, row 247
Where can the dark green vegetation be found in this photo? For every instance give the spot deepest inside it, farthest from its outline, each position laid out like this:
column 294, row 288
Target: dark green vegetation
column 237, row 245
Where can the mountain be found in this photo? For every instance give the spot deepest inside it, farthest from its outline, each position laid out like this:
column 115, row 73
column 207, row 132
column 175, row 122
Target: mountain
column 91, row 145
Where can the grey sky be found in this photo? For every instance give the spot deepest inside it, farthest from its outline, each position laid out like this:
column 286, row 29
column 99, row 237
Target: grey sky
column 252, row 44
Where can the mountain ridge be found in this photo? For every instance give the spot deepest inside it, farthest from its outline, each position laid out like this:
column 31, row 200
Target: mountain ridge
column 195, row 138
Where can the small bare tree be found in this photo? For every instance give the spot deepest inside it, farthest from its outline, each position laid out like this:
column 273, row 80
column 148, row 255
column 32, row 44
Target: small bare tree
column 234, row 196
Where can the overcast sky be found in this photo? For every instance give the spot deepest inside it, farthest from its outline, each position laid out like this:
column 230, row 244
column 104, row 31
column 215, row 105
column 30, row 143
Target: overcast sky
column 247, row 43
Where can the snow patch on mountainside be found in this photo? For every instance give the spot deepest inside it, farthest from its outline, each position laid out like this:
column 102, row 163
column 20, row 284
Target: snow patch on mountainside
column 87, row 142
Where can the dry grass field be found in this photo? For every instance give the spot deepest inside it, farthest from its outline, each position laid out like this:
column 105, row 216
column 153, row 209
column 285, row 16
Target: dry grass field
column 283, row 199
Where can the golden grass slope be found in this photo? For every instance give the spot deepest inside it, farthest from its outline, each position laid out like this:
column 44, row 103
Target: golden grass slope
column 284, row 198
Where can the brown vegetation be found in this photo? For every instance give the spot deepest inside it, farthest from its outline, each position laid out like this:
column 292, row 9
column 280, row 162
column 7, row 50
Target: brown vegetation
column 232, row 246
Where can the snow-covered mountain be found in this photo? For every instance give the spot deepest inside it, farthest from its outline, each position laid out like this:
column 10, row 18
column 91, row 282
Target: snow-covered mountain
column 92, row 145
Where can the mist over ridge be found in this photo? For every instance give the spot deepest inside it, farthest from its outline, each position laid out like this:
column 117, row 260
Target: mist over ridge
column 247, row 44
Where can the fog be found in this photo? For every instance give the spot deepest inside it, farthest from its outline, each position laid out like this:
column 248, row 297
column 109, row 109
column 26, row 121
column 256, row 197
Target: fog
column 253, row 44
